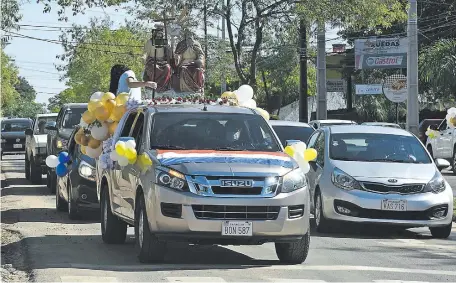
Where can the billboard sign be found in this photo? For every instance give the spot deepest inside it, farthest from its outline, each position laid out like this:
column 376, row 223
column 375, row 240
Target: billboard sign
column 395, row 88
column 375, row 53
column 369, row 89
column 335, row 85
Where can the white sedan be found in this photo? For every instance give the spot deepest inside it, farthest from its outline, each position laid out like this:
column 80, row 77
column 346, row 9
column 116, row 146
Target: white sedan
column 370, row 174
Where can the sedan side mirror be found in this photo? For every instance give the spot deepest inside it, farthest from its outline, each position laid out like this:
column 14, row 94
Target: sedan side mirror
column 28, row 132
column 291, row 142
column 442, row 164
column 433, row 127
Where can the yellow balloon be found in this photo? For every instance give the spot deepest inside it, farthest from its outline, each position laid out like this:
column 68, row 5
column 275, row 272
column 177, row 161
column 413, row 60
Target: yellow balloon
column 109, row 105
column 310, row 154
column 102, row 114
column 290, row 151
column 108, row 96
column 88, row 117
column 263, row 113
column 453, row 121
column 83, row 150
column 132, row 161
column 122, row 98
column 130, row 153
column 120, row 148
column 93, row 105
column 118, row 112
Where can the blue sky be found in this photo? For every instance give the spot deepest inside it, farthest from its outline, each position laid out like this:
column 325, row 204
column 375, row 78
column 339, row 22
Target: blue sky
column 36, row 59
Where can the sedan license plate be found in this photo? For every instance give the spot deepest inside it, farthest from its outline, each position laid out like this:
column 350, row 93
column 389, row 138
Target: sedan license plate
column 236, row 228
column 17, row 146
column 394, row 205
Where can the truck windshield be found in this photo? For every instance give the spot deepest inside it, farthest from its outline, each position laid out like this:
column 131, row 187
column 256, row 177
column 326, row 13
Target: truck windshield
column 16, row 126
column 40, row 125
column 72, row 117
column 212, row 131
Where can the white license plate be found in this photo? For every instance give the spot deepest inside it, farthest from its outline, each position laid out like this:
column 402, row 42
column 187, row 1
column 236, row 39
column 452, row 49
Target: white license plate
column 236, row 228
column 17, row 145
column 394, row 205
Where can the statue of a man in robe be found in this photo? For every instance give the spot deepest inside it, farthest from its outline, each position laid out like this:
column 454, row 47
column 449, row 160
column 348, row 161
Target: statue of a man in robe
column 190, row 64
column 157, row 53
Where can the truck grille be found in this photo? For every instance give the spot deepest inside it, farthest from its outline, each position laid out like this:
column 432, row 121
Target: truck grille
column 234, row 212
column 236, row 191
column 403, row 189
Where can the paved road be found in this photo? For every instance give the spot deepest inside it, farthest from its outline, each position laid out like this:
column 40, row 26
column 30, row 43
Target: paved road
column 68, row 251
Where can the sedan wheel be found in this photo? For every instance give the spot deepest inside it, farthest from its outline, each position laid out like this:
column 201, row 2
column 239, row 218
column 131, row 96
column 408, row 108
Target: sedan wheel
column 322, row 224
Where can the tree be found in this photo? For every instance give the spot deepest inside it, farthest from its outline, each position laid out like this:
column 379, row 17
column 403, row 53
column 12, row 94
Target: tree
column 10, row 16
column 9, row 74
column 89, row 54
column 67, row 96
column 25, row 90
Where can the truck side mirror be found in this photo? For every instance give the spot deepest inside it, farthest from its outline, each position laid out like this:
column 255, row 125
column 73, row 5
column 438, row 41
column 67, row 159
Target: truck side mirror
column 28, row 132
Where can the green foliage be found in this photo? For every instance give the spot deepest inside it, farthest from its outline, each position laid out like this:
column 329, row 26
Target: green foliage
column 9, row 80
column 89, row 56
column 10, row 16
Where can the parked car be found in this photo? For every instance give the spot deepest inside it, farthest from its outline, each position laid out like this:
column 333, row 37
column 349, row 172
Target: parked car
column 379, row 175
column 35, row 147
column 76, row 192
column 288, row 130
column 317, row 124
column 69, row 116
column 13, row 135
column 424, row 125
column 382, row 124
column 250, row 192
column 443, row 146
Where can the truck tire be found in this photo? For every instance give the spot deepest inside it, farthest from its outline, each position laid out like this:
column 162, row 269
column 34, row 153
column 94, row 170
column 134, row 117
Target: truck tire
column 60, row 203
column 27, row 168
column 52, row 180
column 35, row 173
column 294, row 253
column 73, row 212
column 113, row 230
column 148, row 247
column 441, row 232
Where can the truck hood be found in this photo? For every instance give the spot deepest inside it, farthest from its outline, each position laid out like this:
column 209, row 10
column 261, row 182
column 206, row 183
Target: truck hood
column 227, row 163
column 40, row 140
column 10, row 135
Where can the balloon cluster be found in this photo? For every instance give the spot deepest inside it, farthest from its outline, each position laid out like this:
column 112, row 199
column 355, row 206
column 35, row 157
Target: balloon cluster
column 125, row 152
column 432, row 134
column 301, row 154
column 100, row 121
column 243, row 96
column 59, row 163
column 451, row 117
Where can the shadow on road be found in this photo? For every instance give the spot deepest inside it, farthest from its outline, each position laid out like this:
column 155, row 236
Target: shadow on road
column 49, row 215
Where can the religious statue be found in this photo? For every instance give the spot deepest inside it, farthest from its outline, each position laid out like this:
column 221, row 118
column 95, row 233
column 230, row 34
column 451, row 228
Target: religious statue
column 190, row 64
column 157, row 58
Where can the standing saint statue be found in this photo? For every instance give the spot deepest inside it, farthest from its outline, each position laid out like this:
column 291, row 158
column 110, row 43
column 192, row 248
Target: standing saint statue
column 190, row 66
column 157, row 53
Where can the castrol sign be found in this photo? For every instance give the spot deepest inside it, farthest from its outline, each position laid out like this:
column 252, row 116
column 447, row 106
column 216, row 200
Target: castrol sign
column 381, row 53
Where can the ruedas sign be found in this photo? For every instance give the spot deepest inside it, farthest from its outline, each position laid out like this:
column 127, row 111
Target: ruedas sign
column 376, row 53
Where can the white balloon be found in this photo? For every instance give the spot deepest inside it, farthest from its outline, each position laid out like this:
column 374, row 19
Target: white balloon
column 52, row 161
column 100, row 133
column 250, row 104
column 130, row 144
column 114, row 156
column 452, row 111
column 83, row 124
column 94, row 153
column 123, row 161
column 97, row 95
column 244, row 93
column 300, row 147
column 305, row 167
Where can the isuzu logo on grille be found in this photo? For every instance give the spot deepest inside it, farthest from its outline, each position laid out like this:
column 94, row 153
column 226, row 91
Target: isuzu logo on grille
column 237, row 183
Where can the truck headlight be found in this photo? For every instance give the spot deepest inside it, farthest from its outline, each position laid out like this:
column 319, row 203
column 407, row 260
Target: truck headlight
column 86, row 171
column 171, row 179
column 293, row 181
column 344, row 181
column 436, row 184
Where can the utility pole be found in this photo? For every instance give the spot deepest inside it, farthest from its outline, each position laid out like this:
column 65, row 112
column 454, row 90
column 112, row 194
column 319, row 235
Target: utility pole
column 412, row 70
column 223, row 79
column 321, row 75
column 205, row 37
column 303, row 102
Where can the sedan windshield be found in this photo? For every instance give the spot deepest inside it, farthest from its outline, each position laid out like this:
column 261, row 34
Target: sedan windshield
column 16, row 126
column 212, row 131
column 293, row 133
column 377, row 148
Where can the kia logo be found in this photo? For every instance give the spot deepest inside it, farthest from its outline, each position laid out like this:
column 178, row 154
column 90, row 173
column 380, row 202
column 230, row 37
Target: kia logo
column 392, row 180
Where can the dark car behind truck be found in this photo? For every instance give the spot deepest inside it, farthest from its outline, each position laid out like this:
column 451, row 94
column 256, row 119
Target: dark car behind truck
column 13, row 135
column 57, row 139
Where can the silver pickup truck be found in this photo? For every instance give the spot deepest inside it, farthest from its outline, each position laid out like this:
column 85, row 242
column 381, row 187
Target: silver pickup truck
column 219, row 176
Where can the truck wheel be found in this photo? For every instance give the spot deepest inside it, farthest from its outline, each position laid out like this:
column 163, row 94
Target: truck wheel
column 294, row 253
column 27, row 168
column 148, row 247
column 73, row 212
column 35, row 173
column 60, row 203
column 441, row 232
column 113, row 230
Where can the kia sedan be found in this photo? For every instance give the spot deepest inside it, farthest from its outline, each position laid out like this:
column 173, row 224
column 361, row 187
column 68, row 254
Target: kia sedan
column 371, row 174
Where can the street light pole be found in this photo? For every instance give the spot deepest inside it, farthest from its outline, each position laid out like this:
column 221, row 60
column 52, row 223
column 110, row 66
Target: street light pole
column 321, row 75
column 223, row 78
column 303, row 102
column 412, row 70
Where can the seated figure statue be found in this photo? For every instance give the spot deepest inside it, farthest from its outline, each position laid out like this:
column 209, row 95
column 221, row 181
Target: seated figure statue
column 157, row 54
column 190, row 66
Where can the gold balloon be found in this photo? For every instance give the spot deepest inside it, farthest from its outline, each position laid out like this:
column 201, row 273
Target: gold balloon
column 88, row 117
column 94, row 104
column 83, row 150
column 118, row 112
column 263, row 113
column 122, row 98
column 108, row 96
column 109, row 105
column 112, row 127
column 102, row 114
column 453, row 121
column 93, row 143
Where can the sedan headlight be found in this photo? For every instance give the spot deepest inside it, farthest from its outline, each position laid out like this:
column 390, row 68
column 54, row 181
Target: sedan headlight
column 171, row 179
column 86, row 171
column 436, row 184
column 293, row 181
column 344, row 181
column 59, row 144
